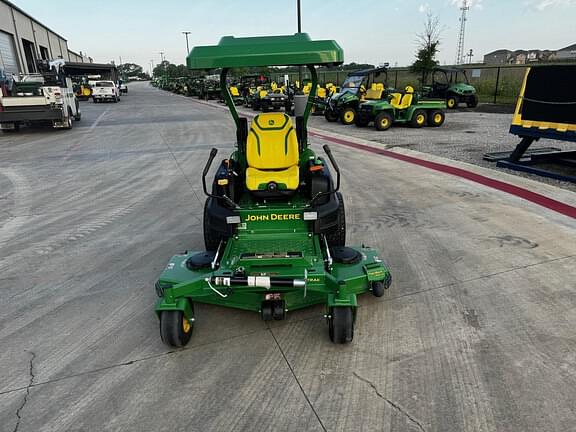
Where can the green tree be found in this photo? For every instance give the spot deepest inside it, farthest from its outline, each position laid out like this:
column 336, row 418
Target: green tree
column 428, row 43
column 130, row 69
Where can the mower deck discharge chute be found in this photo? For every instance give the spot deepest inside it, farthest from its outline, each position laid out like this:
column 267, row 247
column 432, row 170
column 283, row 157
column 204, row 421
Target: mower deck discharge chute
column 274, row 221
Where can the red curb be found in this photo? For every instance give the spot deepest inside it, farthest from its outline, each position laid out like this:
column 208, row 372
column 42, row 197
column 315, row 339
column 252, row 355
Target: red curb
column 525, row 194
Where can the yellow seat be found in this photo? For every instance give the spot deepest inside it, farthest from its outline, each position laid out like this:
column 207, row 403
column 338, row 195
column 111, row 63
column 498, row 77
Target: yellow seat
column 406, row 100
column 379, row 86
column 285, row 179
column 272, row 153
column 373, row 93
column 321, row 92
column 262, row 93
column 234, row 91
column 395, row 100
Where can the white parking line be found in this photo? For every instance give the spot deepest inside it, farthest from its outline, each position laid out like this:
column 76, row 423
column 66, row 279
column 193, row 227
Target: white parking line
column 98, row 120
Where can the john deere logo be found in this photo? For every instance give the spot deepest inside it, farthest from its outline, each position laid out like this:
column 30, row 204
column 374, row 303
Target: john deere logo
column 270, row 122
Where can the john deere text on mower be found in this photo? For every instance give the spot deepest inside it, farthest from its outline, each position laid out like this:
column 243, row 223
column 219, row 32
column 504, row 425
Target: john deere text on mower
column 274, row 221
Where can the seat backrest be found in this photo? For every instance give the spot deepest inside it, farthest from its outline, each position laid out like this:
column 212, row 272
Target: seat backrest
column 262, row 93
column 406, row 100
column 234, row 91
column 321, row 92
column 272, row 142
column 395, row 100
column 373, row 93
column 380, row 86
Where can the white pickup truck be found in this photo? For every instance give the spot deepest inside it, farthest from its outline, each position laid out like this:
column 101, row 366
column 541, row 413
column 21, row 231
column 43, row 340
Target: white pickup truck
column 40, row 98
column 105, row 91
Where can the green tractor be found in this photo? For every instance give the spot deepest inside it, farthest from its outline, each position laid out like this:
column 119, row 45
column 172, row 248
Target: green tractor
column 401, row 108
column 452, row 85
column 359, row 86
column 274, row 221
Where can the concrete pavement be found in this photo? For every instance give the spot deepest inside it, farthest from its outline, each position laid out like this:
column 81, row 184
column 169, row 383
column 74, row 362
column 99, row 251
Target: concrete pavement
column 476, row 333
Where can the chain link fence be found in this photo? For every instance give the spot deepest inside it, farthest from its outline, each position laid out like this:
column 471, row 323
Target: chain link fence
column 494, row 84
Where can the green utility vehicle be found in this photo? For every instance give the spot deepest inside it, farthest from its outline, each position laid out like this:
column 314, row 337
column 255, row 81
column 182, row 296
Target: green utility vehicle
column 357, row 88
column 402, row 108
column 210, row 88
column 274, row 221
column 452, row 85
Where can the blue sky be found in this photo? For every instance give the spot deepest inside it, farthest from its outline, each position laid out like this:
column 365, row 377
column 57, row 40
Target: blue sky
column 373, row 31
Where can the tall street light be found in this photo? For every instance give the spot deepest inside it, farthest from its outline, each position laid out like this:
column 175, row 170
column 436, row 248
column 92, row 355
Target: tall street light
column 163, row 65
column 299, row 14
column 187, row 46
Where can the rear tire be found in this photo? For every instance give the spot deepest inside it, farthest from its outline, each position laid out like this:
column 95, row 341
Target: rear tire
column 472, row 101
column 383, row 121
column 436, row 118
column 362, row 121
column 419, row 119
column 341, row 325
column 212, row 238
column 175, row 329
column 337, row 236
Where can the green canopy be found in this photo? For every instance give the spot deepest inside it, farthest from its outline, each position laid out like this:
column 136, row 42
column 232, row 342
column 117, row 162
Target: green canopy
column 297, row 49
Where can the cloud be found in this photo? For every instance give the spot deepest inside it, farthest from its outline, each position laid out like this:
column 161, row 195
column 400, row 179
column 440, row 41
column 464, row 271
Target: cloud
column 424, row 7
column 544, row 4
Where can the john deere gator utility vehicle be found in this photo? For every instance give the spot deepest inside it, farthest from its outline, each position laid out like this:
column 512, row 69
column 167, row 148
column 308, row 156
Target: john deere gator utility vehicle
column 357, row 88
column 250, row 85
column 403, row 108
column 452, row 85
column 274, row 221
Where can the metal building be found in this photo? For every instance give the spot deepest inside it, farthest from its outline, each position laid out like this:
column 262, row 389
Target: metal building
column 23, row 40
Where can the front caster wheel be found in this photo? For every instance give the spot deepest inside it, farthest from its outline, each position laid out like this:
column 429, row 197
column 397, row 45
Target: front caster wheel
column 175, row 329
column 377, row 288
column 341, row 325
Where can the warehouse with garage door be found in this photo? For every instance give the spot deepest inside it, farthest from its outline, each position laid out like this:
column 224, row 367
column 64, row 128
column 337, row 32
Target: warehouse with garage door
column 24, row 40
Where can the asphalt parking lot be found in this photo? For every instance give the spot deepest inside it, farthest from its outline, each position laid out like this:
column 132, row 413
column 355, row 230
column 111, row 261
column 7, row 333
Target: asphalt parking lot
column 475, row 334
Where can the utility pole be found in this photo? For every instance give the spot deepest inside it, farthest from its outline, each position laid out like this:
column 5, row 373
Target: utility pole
column 460, row 50
column 187, row 46
column 163, row 65
column 470, row 55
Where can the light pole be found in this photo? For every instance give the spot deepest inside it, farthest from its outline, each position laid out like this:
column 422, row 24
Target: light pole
column 187, row 46
column 299, row 14
column 162, row 59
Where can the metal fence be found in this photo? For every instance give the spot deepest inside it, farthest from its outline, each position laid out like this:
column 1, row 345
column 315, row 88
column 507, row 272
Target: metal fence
column 494, row 84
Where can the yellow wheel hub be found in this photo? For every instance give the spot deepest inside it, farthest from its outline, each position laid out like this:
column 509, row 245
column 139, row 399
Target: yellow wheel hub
column 437, row 118
column 420, row 119
column 451, row 103
column 349, row 116
column 384, row 122
column 185, row 325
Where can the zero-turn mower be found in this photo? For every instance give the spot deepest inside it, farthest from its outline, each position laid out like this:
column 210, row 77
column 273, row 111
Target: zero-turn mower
column 274, row 219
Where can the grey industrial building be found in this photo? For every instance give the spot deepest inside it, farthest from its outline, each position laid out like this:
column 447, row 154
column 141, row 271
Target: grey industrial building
column 23, row 40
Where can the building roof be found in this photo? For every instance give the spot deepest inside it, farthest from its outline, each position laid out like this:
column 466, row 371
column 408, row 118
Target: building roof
column 13, row 6
column 569, row 48
column 500, row 51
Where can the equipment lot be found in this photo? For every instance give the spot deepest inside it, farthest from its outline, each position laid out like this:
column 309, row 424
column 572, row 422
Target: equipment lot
column 476, row 333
